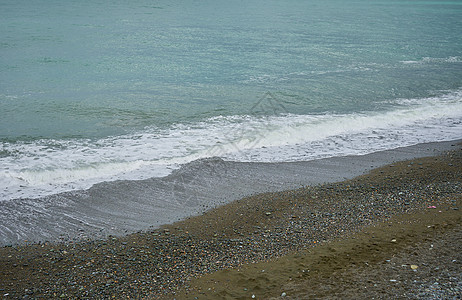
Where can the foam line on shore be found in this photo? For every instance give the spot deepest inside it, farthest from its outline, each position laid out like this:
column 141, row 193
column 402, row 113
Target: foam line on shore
column 122, row 207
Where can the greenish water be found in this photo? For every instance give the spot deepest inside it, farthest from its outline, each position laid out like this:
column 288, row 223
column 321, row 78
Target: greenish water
column 92, row 91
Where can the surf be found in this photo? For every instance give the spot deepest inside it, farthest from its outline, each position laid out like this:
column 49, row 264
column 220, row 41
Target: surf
column 43, row 167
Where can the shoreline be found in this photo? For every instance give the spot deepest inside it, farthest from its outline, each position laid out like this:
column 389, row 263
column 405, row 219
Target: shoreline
column 197, row 187
column 259, row 228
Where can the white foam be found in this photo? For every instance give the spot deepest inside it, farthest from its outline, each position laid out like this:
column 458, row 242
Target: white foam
column 427, row 60
column 50, row 166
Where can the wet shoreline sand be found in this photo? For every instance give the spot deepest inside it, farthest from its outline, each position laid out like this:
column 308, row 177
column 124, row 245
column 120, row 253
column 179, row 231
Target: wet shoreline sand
column 258, row 229
column 123, row 207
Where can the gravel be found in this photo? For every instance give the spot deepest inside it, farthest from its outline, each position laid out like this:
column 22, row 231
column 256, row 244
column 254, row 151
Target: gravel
column 259, row 228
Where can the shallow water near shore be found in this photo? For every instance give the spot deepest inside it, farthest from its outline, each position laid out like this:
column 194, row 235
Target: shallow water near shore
column 123, row 207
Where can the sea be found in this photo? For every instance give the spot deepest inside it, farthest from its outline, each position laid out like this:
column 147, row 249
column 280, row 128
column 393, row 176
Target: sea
column 117, row 93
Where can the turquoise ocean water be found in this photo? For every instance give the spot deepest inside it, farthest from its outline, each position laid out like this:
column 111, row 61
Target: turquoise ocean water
column 94, row 91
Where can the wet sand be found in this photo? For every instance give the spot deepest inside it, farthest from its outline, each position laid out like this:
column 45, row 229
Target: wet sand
column 122, row 207
column 351, row 239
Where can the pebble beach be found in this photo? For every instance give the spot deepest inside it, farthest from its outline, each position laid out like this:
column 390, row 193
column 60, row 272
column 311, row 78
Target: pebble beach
column 230, row 149
column 368, row 237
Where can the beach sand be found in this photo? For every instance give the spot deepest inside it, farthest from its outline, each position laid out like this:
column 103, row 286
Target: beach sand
column 410, row 256
column 395, row 232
